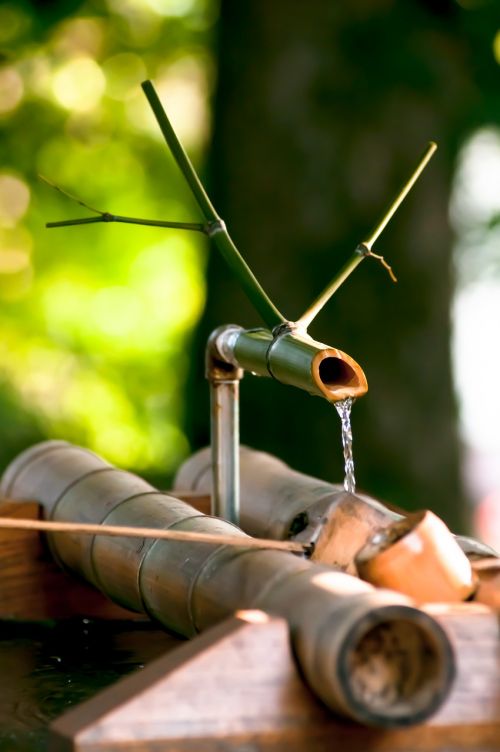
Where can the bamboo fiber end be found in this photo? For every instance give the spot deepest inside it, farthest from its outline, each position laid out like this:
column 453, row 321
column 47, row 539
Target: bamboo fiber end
column 380, row 660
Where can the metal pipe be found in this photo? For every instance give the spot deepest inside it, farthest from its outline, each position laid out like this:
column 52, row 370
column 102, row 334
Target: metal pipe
column 224, row 379
column 334, row 619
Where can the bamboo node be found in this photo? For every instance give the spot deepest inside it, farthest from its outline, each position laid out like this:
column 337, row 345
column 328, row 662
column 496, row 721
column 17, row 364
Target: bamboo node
column 216, row 226
column 286, row 327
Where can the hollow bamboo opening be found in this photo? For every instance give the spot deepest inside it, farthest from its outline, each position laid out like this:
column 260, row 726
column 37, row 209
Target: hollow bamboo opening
column 338, row 376
column 395, row 669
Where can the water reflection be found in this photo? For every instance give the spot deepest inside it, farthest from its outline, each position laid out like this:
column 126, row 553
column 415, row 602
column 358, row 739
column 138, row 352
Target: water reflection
column 47, row 667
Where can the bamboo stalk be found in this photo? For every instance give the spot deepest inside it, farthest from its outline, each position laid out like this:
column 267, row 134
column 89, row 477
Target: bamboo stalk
column 394, row 206
column 81, row 528
column 364, row 249
column 218, row 231
column 351, row 264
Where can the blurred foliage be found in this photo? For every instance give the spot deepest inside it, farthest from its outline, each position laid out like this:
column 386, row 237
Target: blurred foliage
column 95, row 320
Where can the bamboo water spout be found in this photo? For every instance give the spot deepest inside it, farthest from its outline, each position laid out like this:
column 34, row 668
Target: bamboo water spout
column 292, row 357
column 418, row 556
column 335, row 620
column 288, row 355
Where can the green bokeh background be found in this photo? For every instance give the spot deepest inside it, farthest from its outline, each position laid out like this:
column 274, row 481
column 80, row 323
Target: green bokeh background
column 96, row 321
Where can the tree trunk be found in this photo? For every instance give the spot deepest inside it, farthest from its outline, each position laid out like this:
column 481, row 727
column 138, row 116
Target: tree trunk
column 322, row 110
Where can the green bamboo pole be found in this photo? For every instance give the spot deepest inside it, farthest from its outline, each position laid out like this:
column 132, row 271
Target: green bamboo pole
column 216, row 227
column 364, row 249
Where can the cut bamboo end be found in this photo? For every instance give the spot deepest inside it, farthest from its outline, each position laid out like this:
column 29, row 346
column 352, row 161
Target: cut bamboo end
column 418, row 556
column 397, row 667
column 337, row 375
column 368, row 653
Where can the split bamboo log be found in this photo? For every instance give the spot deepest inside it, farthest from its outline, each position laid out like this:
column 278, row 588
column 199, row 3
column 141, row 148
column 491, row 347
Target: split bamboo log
column 368, row 654
column 279, row 502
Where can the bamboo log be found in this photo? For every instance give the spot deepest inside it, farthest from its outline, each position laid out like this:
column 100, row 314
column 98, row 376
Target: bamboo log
column 368, row 654
column 279, row 502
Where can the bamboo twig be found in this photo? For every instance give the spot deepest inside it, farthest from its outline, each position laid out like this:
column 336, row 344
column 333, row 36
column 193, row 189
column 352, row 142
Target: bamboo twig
column 104, row 216
column 78, row 528
column 69, row 195
column 364, row 249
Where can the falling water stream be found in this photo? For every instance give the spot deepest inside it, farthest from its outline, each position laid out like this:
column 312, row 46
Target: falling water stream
column 343, row 408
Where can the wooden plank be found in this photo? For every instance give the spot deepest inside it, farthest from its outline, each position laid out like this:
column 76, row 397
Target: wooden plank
column 200, row 501
column 33, row 586
column 475, row 635
column 236, row 687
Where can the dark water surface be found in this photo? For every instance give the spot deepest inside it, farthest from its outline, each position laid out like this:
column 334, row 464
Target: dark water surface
column 47, row 667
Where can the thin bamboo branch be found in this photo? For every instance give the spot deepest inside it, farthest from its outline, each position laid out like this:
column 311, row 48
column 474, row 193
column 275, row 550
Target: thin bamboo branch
column 394, row 206
column 217, row 229
column 149, row 532
column 104, row 216
column 181, row 158
column 364, row 249
column 69, row 195
column 345, row 272
column 107, row 217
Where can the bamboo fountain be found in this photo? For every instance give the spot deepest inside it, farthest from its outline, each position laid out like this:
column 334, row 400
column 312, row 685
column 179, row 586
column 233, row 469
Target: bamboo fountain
column 368, row 654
